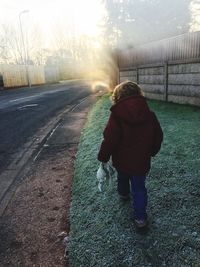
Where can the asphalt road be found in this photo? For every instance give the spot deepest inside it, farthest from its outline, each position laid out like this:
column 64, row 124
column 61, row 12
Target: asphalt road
column 24, row 111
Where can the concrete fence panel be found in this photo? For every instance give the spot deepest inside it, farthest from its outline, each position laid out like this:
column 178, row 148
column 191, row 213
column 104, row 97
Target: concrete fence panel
column 153, row 88
column 154, row 96
column 184, row 100
column 167, row 69
column 132, row 73
column 176, row 82
column 151, row 71
column 184, row 90
column 184, row 68
column 151, row 79
column 130, row 78
column 184, row 79
column 128, row 75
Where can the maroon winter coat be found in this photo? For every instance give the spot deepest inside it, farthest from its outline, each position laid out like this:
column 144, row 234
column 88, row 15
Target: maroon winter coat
column 132, row 136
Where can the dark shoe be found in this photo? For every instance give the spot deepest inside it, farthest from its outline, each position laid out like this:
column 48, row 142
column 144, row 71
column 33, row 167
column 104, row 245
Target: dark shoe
column 141, row 223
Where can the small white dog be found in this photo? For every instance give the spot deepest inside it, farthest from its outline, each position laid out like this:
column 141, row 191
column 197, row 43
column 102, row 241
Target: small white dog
column 105, row 172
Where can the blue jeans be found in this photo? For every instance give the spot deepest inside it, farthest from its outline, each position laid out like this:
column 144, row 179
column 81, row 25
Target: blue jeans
column 138, row 191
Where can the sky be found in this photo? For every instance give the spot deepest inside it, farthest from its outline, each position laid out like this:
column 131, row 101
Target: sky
column 82, row 17
column 195, row 13
column 47, row 22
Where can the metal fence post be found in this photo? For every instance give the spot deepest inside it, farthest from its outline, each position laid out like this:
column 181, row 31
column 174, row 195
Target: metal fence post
column 137, row 74
column 166, row 81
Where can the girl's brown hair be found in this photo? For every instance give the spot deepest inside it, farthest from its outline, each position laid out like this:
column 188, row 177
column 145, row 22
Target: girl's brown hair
column 126, row 89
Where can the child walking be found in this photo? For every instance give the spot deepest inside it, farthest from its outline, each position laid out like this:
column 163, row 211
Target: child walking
column 132, row 136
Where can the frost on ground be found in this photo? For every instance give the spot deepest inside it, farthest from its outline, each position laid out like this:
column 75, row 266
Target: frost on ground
column 102, row 232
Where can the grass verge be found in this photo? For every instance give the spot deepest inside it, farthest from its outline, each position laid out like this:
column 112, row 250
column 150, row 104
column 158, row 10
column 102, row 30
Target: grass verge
column 102, row 233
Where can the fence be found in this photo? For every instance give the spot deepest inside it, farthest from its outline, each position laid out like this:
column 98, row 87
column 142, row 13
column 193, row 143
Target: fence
column 166, row 70
column 16, row 75
column 51, row 74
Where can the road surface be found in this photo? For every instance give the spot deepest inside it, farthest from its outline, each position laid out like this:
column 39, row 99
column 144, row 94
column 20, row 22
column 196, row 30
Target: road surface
column 28, row 118
column 24, row 111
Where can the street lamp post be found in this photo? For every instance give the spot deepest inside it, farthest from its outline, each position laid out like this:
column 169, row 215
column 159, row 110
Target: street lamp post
column 24, row 47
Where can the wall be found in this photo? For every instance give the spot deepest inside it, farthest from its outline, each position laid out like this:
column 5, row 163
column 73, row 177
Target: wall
column 167, row 69
column 184, row 83
column 51, row 74
column 177, row 81
column 36, row 74
column 13, row 75
column 16, row 75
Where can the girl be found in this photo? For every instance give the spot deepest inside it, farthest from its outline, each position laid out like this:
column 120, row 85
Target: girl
column 132, row 136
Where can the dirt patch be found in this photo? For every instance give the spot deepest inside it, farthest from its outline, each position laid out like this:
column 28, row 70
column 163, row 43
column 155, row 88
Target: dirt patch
column 34, row 225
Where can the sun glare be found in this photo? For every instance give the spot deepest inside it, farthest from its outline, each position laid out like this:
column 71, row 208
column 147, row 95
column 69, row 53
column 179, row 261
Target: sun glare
column 195, row 16
column 76, row 17
column 82, row 17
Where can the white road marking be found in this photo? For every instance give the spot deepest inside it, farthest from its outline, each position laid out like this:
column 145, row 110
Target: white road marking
column 22, row 98
column 28, row 106
column 37, row 95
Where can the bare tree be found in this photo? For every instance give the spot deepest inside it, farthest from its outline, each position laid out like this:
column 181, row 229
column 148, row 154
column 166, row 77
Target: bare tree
column 10, row 48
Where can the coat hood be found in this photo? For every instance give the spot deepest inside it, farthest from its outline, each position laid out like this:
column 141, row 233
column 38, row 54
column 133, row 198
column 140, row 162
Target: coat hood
column 132, row 109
